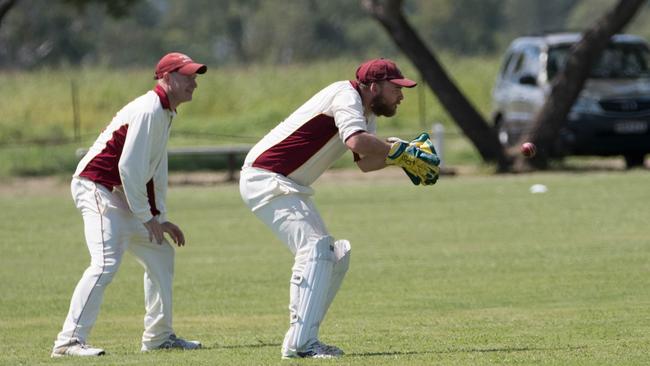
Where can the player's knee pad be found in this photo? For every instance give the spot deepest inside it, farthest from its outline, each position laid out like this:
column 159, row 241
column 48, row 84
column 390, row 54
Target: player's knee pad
column 308, row 292
column 342, row 250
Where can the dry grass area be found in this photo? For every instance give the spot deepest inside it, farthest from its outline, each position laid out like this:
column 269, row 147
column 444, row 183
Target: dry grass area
column 60, row 184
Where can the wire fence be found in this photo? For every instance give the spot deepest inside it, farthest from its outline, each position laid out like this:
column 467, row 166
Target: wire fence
column 81, row 139
column 84, row 139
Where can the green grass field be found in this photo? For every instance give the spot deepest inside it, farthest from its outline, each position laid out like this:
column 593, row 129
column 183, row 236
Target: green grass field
column 473, row 271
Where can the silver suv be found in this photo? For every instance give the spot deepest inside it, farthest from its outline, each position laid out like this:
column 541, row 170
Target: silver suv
column 612, row 113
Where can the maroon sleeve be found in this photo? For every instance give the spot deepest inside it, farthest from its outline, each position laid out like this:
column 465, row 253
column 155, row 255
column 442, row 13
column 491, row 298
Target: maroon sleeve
column 151, row 195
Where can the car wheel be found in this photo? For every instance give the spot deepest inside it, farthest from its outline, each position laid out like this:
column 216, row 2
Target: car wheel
column 634, row 160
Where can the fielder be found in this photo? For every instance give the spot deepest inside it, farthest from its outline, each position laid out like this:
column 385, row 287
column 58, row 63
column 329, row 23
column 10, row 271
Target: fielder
column 120, row 187
column 278, row 171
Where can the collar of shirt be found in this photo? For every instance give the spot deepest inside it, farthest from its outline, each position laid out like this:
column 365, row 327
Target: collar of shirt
column 367, row 114
column 164, row 100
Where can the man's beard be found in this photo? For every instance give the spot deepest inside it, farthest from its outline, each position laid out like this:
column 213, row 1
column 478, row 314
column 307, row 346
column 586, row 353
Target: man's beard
column 380, row 108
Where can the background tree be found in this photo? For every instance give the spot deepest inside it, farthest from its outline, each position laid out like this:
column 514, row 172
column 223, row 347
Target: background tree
column 54, row 33
column 115, row 8
column 542, row 16
column 5, row 6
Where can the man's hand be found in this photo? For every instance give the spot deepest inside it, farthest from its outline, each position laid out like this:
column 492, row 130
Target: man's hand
column 174, row 232
column 417, row 158
column 155, row 230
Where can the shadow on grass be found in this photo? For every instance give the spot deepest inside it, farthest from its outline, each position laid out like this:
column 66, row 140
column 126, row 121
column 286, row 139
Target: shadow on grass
column 236, row 346
column 593, row 164
column 466, row 350
column 407, row 353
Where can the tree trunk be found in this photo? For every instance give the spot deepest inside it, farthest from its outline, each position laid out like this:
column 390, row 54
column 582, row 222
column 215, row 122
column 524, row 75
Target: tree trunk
column 567, row 85
column 485, row 139
column 5, row 6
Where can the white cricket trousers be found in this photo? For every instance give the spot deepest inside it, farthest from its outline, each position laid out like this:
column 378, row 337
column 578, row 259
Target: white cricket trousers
column 288, row 210
column 111, row 229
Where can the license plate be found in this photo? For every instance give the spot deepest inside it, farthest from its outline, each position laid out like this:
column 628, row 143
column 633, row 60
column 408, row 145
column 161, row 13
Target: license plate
column 631, row 127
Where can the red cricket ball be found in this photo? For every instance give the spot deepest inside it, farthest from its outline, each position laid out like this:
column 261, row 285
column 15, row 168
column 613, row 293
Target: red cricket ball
column 528, row 149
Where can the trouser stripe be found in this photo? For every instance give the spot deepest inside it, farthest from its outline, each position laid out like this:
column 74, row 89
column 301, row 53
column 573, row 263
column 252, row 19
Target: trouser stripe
column 101, row 228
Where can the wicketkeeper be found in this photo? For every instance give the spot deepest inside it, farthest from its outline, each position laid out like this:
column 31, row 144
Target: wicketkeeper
column 279, row 169
column 119, row 188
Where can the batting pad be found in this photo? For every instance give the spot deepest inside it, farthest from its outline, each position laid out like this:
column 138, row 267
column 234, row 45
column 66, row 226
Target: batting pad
column 342, row 257
column 308, row 292
column 341, row 266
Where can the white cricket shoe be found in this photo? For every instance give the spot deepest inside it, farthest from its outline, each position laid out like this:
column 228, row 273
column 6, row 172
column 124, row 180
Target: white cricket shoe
column 316, row 350
column 174, row 342
column 77, row 349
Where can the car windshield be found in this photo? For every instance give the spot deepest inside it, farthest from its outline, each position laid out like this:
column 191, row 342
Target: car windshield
column 618, row 61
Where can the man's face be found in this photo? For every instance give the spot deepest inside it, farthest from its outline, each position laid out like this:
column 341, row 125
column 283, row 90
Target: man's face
column 181, row 87
column 385, row 102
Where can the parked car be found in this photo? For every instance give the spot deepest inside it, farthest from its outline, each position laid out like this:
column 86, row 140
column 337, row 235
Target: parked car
column 611, row 116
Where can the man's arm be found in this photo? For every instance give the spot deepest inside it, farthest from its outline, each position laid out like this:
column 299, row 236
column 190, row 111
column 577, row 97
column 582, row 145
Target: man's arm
column 370, row 150
column 160, row 188
column 134, row 164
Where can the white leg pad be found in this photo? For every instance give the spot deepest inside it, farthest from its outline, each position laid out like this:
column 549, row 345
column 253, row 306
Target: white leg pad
column 308, row 293
column 341, row 266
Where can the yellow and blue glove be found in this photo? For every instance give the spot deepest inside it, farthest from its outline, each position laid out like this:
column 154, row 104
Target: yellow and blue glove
column 417, row 158
column 423, row 142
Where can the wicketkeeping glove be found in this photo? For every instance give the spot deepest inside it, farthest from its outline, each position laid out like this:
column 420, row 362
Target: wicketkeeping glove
column 424, row 143
column 417, row 158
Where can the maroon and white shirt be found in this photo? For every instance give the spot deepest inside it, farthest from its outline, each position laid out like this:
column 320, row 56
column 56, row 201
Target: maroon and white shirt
column 313, row 137
column 130, row 155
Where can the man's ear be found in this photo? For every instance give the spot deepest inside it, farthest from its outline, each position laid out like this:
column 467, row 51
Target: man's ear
column 375, row 88
column 167, row 77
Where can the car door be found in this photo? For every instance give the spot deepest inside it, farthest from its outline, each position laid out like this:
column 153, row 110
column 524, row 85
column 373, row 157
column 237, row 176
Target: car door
column 504, row 93
column 528, row 95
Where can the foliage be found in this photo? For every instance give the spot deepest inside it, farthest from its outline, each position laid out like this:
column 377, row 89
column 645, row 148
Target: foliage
column 114, row 8
column 37, row 33
column 492, row 276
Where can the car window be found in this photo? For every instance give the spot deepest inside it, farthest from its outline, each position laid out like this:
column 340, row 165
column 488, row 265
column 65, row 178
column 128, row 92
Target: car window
column 518, row 66
column 617, row 61
column 526, row 63
column 622, row 61
column 531, row 65
column 505, row 65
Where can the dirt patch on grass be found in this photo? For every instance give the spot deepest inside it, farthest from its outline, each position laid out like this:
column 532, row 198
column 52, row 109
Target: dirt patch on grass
column 61, row 184
column 34, row 186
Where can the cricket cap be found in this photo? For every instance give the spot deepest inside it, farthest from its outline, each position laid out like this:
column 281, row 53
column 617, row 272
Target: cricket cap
column 178, row 62
column 382, row 69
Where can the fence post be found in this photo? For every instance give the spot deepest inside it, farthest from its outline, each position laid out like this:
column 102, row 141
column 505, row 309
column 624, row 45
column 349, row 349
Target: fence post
column 438, row 132
column 422, row 102
column 76, row 120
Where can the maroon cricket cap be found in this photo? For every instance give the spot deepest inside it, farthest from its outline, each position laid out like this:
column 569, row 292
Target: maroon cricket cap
column 179, row 62
column 382, row 69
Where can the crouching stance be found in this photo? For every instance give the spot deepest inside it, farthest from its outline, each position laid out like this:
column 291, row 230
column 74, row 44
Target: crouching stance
column 119, row 188
column 278, row 171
